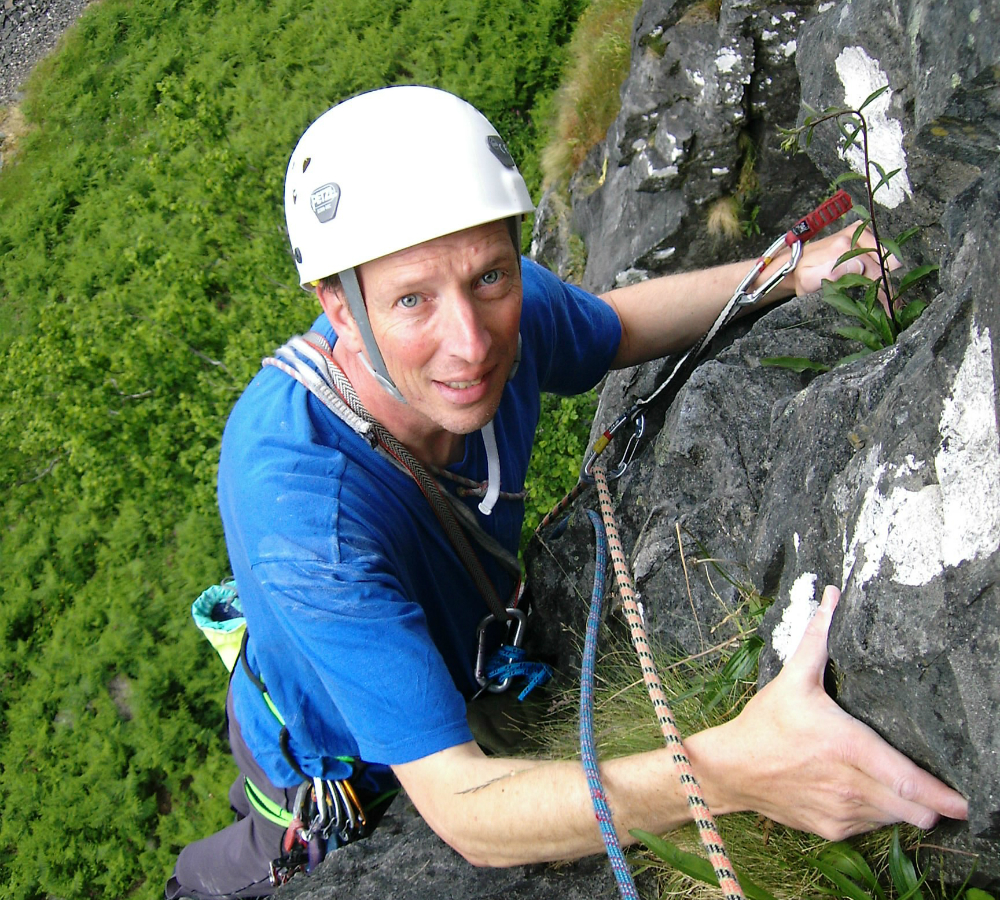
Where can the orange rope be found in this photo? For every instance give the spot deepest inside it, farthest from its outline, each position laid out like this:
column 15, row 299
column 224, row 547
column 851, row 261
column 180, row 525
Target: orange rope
column 707, row 829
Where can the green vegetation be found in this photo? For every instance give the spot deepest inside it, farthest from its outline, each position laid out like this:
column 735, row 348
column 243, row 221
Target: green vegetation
column 560, row 446
column 143, row 274
column 588, row 100
column 704, row 690
column 878, row 306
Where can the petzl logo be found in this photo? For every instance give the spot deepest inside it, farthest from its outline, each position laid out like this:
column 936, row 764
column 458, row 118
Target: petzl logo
column 324, row 201
column 499, row 149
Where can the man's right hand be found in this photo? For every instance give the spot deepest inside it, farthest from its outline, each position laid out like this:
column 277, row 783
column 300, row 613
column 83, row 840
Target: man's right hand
column 795, row 756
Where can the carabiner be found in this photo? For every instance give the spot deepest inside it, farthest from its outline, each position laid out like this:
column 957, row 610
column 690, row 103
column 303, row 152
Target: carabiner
column 749, row 299
column 807, row 227
column 628, row 454
column 517, row 618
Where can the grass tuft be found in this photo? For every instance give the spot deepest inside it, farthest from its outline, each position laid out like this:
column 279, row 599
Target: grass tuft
column 772, row 856
column 588, row 100
column 723, row 221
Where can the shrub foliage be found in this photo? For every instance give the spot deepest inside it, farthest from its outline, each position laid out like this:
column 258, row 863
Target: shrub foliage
column 143, row 274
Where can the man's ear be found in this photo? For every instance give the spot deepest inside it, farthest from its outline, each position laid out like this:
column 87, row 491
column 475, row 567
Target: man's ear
column 334, row 304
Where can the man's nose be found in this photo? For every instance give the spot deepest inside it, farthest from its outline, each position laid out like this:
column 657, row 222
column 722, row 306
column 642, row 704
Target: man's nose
column 465, row 331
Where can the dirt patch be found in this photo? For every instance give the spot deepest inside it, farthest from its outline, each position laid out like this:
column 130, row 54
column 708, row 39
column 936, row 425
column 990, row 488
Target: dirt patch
column 12, row 129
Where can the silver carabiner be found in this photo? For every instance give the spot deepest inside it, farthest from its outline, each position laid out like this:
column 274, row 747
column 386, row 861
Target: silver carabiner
column 749, row 299
column 518, row 619
column 628, row 454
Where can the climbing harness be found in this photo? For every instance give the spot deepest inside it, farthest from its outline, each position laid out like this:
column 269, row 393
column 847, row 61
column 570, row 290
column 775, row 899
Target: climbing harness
column 803, row 230
column 606, row 532
column 324, row 810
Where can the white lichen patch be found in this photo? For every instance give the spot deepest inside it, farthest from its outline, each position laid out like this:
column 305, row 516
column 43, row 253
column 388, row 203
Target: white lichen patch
column 861, row 76
column 788, row 48
column 630, row 276
column 728, row 60
column 941, row 525
column 802, row 606
column 696, row 78
column 968, row 462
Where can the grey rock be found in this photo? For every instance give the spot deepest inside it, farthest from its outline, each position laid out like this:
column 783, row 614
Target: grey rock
column 938, row 121
column 881, row 475
column 28, row 31
column 693, row 111
column 405, row 860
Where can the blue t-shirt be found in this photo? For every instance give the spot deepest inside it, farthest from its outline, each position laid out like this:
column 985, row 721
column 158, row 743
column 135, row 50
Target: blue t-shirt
column 362, row 619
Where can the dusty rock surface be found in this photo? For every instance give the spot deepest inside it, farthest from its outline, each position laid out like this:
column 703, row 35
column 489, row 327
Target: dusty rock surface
column 29, row 29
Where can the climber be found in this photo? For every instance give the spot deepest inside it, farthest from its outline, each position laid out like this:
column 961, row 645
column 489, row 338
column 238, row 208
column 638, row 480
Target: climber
column 363, row 613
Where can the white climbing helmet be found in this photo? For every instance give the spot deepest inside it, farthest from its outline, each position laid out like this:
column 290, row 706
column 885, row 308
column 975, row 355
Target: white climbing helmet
column 387, row 170
column 391, row 169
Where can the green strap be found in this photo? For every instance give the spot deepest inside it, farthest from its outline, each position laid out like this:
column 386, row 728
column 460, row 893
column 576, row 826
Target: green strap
column 273, row 812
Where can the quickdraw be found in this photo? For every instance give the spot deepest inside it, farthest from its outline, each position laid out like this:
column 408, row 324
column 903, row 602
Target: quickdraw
column 803, row 230
column 323, row 811
column 594, row 472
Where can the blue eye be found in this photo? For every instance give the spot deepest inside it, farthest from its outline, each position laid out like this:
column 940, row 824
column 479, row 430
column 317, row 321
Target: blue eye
column 409, row 301
column 491, row 277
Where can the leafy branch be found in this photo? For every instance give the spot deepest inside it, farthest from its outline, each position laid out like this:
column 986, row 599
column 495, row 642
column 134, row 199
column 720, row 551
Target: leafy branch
column 880, row 311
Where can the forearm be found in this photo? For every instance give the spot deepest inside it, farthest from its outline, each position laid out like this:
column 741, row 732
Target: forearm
column 501, row 812
column 669, row 314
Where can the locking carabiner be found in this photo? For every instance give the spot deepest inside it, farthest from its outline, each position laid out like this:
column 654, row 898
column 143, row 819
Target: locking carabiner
column 516, row 621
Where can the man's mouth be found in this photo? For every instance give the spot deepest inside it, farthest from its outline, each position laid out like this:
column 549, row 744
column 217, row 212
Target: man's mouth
column 462, row 385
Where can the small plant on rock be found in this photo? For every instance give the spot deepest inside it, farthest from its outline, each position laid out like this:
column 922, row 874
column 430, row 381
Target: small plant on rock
column 879, row 306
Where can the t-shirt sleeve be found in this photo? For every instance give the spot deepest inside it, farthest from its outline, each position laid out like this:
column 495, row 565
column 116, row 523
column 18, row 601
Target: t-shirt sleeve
column 574, row 335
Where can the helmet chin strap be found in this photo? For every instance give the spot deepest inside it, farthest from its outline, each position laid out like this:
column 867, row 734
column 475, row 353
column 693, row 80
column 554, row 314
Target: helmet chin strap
column 374, row 362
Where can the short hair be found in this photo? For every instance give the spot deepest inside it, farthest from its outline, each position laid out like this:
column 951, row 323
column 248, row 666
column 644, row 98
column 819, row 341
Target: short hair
column 330, row 283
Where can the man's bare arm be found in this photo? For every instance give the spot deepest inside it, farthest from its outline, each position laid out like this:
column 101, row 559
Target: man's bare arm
column 669, row 314
column 792, row 754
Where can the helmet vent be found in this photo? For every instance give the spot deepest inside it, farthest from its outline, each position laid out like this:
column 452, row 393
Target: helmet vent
column 305, row 163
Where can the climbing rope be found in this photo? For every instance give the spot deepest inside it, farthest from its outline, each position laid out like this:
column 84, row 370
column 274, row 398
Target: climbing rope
column 707, row 829
column 588, row 751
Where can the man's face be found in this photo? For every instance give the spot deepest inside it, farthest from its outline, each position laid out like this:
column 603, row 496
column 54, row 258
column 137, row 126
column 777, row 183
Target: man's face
column 445, row 315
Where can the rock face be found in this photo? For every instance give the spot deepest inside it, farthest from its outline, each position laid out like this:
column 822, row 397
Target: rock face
column 698, row 127
column 881, row 475
column 405, row 860
column 28, row 30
